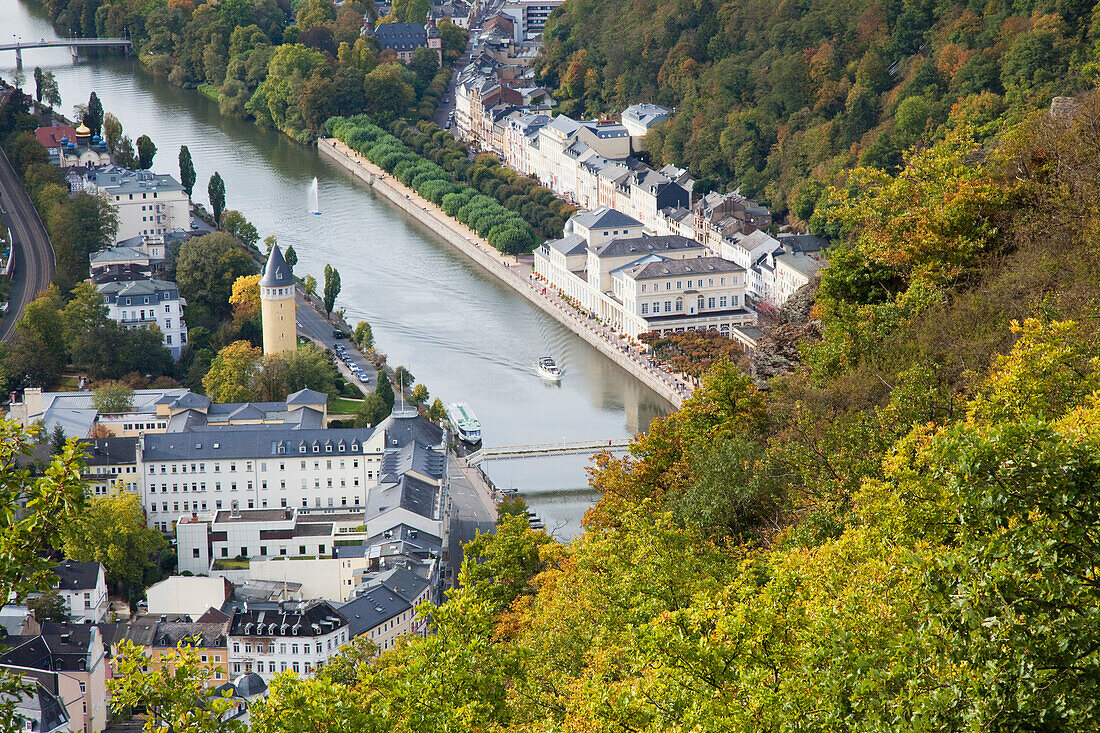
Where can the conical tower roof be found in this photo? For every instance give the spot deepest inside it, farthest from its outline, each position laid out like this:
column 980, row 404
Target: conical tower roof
column 276, row 271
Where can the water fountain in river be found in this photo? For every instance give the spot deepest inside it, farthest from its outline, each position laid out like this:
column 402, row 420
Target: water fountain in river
column 314, row 205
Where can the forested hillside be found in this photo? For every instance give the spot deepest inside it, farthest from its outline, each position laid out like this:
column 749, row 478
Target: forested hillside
column 288, row 68
column 898, row 532
column 781, row 96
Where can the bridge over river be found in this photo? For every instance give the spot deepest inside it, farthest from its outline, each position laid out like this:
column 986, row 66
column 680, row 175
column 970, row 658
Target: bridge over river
column 582, row 448
column 75, row 44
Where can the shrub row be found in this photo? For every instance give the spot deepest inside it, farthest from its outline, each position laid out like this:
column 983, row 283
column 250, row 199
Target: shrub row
column 539, row 207
column 504, row 229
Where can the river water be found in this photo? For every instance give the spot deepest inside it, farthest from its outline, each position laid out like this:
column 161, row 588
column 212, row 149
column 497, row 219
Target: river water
column 460, row 332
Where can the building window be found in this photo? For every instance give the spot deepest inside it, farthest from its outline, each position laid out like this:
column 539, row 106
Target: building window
column 645, row 308
column 710, row 303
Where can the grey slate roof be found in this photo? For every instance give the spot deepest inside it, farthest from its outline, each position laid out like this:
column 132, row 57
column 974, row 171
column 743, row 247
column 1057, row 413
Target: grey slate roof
column 646, row 114
column 604, row 217
column 800, row 263
column 694, row 266
column 60, row 647
column 306, row 397
column 406, row 492
column 402, row 430
column 73, row 575
column 110, row 451
column 372, row 609
column 573, row 244
column 312, row 618
column 276, row 272
column 646, row 245
column 137, row 287
column 41, row 708
column 252, row 441
column 402, row 582
column 416, row 457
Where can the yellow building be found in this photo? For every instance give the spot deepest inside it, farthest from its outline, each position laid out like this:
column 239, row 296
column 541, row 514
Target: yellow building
column 277, row 305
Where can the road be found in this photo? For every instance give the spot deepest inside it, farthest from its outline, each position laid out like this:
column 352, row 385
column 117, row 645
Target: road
column 472, row 511
column 313, row 326
column 34, row 258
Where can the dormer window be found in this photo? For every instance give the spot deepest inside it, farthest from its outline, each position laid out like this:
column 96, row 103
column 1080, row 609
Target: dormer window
column 302, row 448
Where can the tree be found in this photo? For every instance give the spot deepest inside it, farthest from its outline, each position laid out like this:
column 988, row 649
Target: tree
column 371, row 411
column 235, row 224
column 232, row 374
column 437, row 412
column 246, row 297
column 124, row 152
column 332, row 288
column 113, row 398
column 37, row 354
column 187, row 170
column 49, row 606
column 146, row 150
column 216, row 190
column 45, row 87
column 112, row 531
column 363, row 335
column 384, row 389
column 420, row 394
column 309, row 283
column 57, row 439
column 93, row 116
column 290, row 256
column 307, row 367
column 174, row 692
column 112, row 131
column 206, row 269
column 403, row 377
column 424, row 63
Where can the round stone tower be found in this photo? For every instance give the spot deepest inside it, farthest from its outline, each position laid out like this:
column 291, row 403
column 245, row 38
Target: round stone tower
column 277, row 305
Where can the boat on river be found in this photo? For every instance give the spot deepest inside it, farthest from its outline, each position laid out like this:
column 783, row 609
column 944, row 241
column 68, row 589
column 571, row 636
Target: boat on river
column 548, row 369
column 464, row 422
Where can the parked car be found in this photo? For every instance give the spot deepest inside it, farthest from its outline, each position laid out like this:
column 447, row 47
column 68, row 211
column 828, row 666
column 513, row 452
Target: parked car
column 337, row 333
column 363, row 378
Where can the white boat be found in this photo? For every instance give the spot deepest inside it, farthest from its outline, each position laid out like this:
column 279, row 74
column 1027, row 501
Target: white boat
column 464, row 422
column 548, row 369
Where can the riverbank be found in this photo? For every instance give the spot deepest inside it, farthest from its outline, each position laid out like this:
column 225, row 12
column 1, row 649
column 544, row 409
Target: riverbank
column 509, row 270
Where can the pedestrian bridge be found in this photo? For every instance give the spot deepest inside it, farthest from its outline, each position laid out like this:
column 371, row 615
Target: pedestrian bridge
column 585, row 448
column 74, row 44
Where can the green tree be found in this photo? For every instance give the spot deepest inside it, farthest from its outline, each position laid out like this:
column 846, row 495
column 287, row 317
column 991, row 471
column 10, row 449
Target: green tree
column 216, row 190
column 420, row 394
column 113, row 398
column 146, row 150
column 308, row 367
column 499, row 567
column 309, row 284
column 363, row 335
column 437, row 412
column 45, row 87
column 37, row 354
column 174, row 692
column 290, row 256
column 232, row 373
column 112, row 531
column 206, row 269
column 403, row 377
column 187, row 170
column 384, row 389
column 112, row 131
column 424, row 63
column 57, row 439
column 124, row 152
column 93, row 115
column 49, row 606
column 235, row 224
column 371, row 411
column 332, row 288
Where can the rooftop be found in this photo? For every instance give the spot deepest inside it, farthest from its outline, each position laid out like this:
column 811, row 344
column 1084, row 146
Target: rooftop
column 646, row 245
column 77, row 576
column 602, row 218
column 693, row 266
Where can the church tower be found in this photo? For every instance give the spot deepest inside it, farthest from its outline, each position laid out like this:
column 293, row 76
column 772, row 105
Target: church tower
column 277, row 305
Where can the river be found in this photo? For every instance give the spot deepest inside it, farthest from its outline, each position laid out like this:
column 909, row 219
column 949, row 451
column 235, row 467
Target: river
column 460, row 332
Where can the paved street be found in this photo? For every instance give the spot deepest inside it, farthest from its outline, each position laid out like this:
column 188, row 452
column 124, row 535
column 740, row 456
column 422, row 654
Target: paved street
column 34, row 258
column 312, row 325
column 472, row 511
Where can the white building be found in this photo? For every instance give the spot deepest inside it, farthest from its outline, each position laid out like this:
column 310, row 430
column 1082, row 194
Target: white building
column 639, row 284
column 529, row 16
column 268, row 638
column 83, row 586
column 187, row 595
column 144, row 303
column 256, row 467
column 148, row 204
column 639, row 119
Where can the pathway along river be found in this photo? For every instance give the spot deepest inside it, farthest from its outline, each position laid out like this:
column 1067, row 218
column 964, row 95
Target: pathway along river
column 460, row 332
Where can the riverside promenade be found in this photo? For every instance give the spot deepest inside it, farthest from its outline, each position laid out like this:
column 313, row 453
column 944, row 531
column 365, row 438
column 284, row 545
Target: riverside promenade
column 514, row 272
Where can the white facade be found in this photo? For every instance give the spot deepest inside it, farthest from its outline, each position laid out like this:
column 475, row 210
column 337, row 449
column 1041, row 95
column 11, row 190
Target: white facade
column 148, row 204
column 144, row 303
column 330, row 578
column 291, row 637
column 187, row 595
column 190, row 472
column 83, row 586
